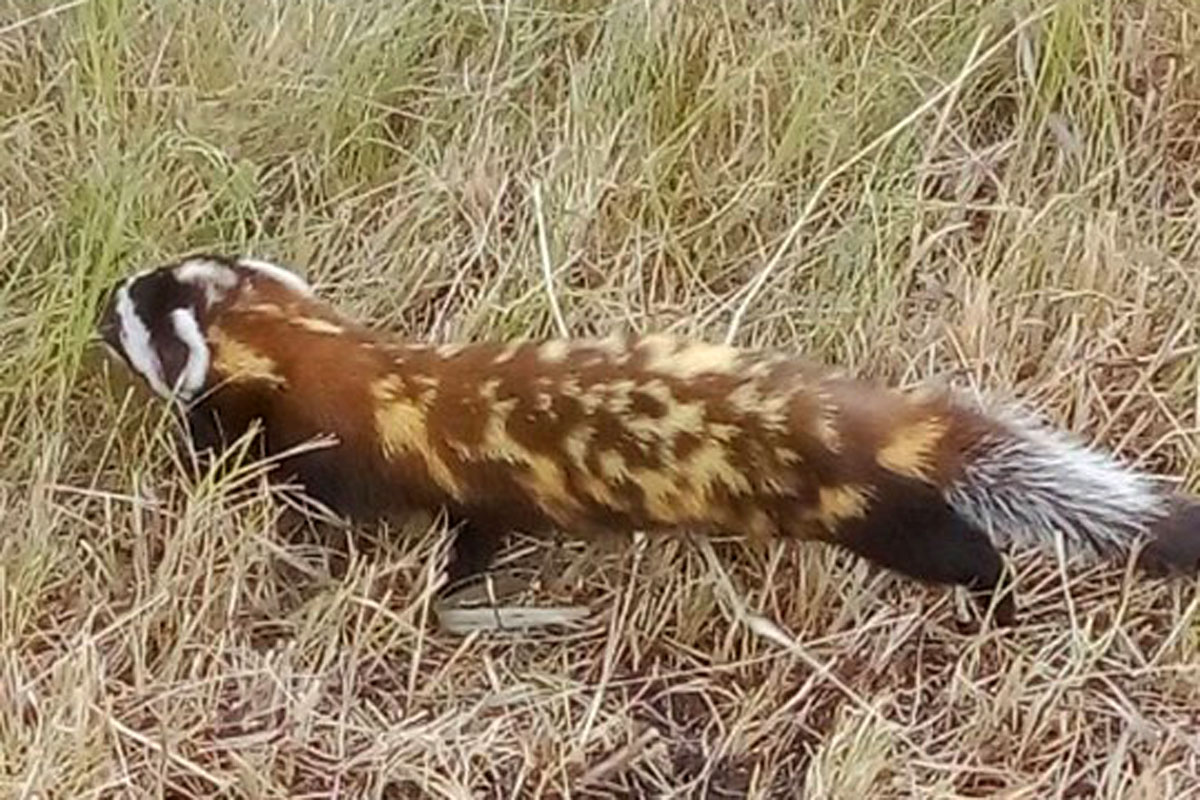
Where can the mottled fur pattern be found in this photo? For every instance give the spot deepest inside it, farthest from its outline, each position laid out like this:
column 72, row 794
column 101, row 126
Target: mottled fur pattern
column 623, row 433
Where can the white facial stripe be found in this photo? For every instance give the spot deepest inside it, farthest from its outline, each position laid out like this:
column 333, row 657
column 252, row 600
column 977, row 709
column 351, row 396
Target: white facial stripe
column 277, row 273
column 195, row 371
column 135, row 341
column 215, row 278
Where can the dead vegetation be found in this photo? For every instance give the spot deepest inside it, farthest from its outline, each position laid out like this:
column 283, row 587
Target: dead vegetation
column 734, row 168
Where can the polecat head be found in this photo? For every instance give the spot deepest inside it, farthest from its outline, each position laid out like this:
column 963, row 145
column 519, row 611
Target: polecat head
column 155, row 321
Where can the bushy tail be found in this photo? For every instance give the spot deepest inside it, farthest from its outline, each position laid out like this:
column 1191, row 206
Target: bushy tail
column 1024, row 483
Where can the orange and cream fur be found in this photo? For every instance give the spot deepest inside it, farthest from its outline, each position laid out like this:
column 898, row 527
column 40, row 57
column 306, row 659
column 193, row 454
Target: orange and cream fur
column 624, row 433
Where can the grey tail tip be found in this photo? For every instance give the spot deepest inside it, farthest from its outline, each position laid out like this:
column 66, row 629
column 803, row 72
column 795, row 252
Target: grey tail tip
column 1174, row 546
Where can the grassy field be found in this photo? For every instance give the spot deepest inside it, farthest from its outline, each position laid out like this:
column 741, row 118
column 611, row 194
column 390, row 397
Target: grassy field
column 998, row 194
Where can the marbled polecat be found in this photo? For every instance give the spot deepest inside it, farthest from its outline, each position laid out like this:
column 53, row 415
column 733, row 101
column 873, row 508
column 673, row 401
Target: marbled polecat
column 624, row 433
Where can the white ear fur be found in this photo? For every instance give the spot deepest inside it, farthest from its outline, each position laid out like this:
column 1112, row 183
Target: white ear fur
column 277, row 273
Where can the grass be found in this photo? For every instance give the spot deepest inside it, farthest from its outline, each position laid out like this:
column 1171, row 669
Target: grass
column 731, row 168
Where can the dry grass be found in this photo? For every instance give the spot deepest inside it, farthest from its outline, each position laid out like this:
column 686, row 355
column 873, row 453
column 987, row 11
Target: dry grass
column 1035, row 232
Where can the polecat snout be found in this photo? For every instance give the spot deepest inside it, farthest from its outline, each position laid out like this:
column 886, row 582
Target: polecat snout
column 624, row 433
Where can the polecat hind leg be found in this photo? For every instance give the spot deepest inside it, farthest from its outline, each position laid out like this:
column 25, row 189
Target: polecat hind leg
column 912, row 530
column 475, row 546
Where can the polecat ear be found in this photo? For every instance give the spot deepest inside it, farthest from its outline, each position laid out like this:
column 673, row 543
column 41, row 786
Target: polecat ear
column 273, row 272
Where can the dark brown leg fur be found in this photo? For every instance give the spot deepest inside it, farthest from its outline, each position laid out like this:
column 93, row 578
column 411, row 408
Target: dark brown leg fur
column 474, row 548
column 1175, row 546
column 913, row 531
